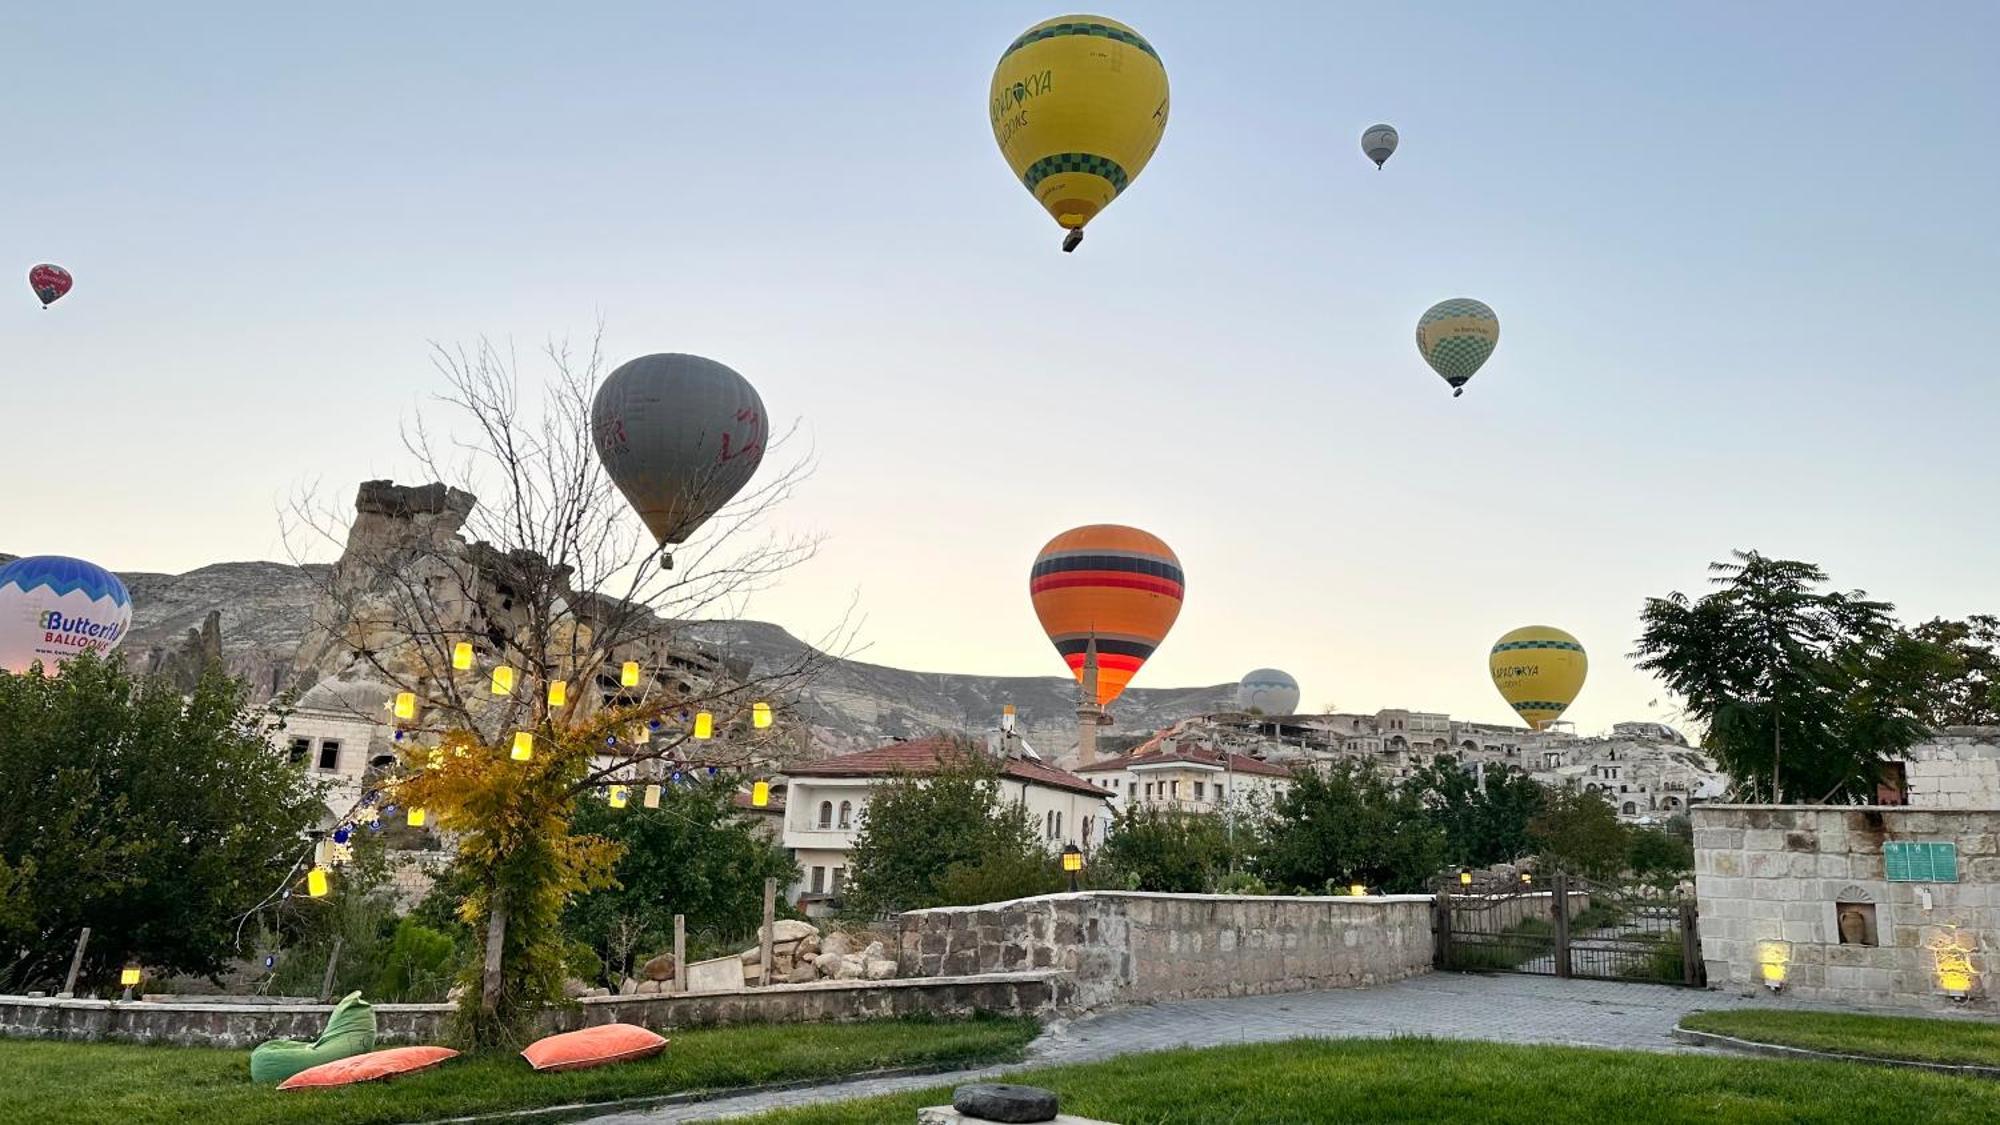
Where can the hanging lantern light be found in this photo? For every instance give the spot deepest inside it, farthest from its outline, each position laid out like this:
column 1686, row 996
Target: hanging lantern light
column 652, row 799
column 503, row 680
column 1465, row 878
column 704, row 725
column 629, row 674
column 558, row 693
column 406, row 704
column 524, row 746
column 760, row 715
column 461, row 656
column 128, row 977
column 417, row 818
column 619, row 794
column 641, row 733
column 760, row 794
column 316, row 882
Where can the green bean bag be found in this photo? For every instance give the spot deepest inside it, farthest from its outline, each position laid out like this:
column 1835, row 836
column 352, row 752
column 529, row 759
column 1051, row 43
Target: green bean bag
column 350, row 1031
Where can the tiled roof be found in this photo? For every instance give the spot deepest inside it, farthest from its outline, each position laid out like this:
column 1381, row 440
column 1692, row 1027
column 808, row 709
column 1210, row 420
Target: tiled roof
column 921, row 756
column 1241, row 763
column 775, row 807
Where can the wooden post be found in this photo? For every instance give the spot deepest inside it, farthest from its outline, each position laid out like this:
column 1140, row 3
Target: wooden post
column 770, row 923
column 1441, row 929
column 1691, row 967
column 680, row 953
column 75, row 965
column 1559, row 903
column 332, row 962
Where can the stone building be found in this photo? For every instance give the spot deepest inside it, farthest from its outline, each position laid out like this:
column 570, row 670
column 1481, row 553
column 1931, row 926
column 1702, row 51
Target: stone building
column 1166, row 774
column 1955, row 768
column 826, row 802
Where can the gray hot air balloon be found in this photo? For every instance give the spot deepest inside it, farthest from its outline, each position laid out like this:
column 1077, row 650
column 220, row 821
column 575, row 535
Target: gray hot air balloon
column 1268, row 691
column 680, row 435
column 1379, row 142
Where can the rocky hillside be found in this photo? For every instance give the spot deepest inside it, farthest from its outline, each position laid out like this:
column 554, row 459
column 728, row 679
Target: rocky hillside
column 263, row 611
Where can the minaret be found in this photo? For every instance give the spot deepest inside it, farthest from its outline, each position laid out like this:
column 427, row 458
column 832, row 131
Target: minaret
column 1089, row 715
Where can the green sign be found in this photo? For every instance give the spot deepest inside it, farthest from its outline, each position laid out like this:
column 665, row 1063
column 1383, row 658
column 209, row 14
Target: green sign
column 1920, row 863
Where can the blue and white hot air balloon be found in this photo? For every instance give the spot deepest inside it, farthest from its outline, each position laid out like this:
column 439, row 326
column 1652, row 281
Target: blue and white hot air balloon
column 1268, row 691
column 52, row 608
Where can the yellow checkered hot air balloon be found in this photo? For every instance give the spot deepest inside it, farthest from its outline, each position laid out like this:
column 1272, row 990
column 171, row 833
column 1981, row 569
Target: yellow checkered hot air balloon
column 1455, row 337
column 1078, row 104
column 1539, row 671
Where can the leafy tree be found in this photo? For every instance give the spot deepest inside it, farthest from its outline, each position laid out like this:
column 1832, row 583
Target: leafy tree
column 1653, row 852
column 1482, row 825
column 155, row 819
column 1001, row 877
column 1578, row 831
column 1966, row 692
column 1171, row 850
column 1805, row 691
column 1348, row 825
column 694, row 856
column 921, row 827
column 417, row 966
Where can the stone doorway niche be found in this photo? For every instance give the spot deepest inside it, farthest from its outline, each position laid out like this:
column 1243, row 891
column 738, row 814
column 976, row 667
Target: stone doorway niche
column 1851, row 917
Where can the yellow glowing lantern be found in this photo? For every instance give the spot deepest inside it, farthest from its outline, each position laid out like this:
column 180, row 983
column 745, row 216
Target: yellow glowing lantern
column 629, row 675
column 461, row 656
column 760, row 715
column 704, row 725
column 1465, row 878
column 760, row 794
column 619, row 794
column 417, row 818
column 558, row 693
column 1527, row 878
column 406, row 704
column 524, row 746
column 129, row 976
column 652, row 796
column 1072, row 859
column 1357, row 890
column 316, row 882
column 503, row 680
column 642, row 733
column 1772, row 957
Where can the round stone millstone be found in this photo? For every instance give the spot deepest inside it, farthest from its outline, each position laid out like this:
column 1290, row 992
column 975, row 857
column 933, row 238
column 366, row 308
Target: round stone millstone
column 999, row 1101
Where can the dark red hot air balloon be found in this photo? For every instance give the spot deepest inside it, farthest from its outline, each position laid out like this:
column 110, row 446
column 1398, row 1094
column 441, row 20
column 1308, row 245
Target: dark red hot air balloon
column 49, row 282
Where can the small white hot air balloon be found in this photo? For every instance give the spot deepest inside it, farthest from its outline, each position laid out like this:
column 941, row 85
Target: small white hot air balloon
column 1267, row 691
column 1379, row 142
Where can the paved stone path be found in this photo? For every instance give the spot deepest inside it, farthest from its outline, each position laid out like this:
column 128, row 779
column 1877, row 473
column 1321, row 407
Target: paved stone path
column 1512, row 1008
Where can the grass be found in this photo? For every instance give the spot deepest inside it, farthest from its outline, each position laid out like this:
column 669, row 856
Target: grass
column 1418, row 1080
column 1882, row 1037
column 51, row 1083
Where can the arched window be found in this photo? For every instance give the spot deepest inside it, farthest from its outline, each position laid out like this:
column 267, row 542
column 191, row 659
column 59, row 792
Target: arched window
column 1630, row 808
column 826, row 814
column 1086, row 829
column 847, row 814
column 1058, row 826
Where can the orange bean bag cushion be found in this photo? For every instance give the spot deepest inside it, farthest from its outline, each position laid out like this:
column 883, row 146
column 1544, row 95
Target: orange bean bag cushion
column 593, row 1046
column 369, row 1067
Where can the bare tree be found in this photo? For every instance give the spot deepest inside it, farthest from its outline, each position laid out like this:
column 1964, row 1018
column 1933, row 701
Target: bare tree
column 548, row 656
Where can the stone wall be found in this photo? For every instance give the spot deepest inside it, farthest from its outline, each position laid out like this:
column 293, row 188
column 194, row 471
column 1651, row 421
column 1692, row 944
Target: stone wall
column 1957, row 768
column 244, row 1025
column 1126, row 947
column 1773, row 882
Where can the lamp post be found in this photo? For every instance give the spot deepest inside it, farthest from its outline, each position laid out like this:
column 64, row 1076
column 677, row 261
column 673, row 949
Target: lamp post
column 1072, row 864
column 129, row 978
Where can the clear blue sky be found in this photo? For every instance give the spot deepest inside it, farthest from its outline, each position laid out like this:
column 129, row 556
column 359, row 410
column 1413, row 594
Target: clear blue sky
column 1743, row 255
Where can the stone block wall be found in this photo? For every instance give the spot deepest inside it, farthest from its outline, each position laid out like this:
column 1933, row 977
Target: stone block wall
column 1958, row 768
column 1771, row 881
column 1130, row 947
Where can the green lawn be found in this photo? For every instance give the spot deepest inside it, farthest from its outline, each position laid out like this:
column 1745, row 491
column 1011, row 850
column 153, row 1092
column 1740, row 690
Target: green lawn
column 1882, row 1037
column 1418, row 1080
column 73, row 1083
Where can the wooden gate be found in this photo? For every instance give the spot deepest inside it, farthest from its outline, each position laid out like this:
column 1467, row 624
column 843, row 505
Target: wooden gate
column 1568, row 926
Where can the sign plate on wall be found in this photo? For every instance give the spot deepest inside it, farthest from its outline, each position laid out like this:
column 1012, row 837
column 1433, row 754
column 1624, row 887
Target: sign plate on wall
column 1907, row 862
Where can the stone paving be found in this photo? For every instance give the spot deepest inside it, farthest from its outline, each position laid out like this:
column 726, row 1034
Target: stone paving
column 1510, row 1008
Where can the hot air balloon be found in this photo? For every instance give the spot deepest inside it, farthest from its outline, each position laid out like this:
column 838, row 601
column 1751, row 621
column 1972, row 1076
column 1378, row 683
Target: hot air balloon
column 1539, row 671
column 1379, row 142
column 49, row 282
column 679, row 435
column 1109, row 590
column 1455, row 337
column 1078, row 105
column 1267, row 691
column 52, row 608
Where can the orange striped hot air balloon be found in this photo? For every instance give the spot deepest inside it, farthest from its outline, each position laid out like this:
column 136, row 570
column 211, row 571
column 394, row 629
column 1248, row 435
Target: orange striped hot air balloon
column 1117, row 588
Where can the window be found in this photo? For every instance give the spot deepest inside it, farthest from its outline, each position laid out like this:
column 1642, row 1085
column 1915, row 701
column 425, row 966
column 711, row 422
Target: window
column 846, row 816
column 839, row 876
column 1221, row 792
column 1058, row 834
column 1893, row 786
column 296, row 753
column 1630, row 808
column 1049, row 825
column 1149, row 791
column 1177, row 789
column 1200, row 791
column 329, row 754
column 825, row 818
column 819, row 880
column 1086, row 829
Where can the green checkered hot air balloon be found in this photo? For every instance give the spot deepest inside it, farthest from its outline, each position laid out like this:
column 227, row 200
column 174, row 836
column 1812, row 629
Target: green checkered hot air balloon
column 1455, row 337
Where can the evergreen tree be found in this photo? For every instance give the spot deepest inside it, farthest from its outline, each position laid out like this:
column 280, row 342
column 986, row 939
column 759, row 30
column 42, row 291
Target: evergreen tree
column 1346, row 825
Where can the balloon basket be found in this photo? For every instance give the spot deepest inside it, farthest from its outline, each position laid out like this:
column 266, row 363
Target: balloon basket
column 666, row 560
column 1072, row 240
